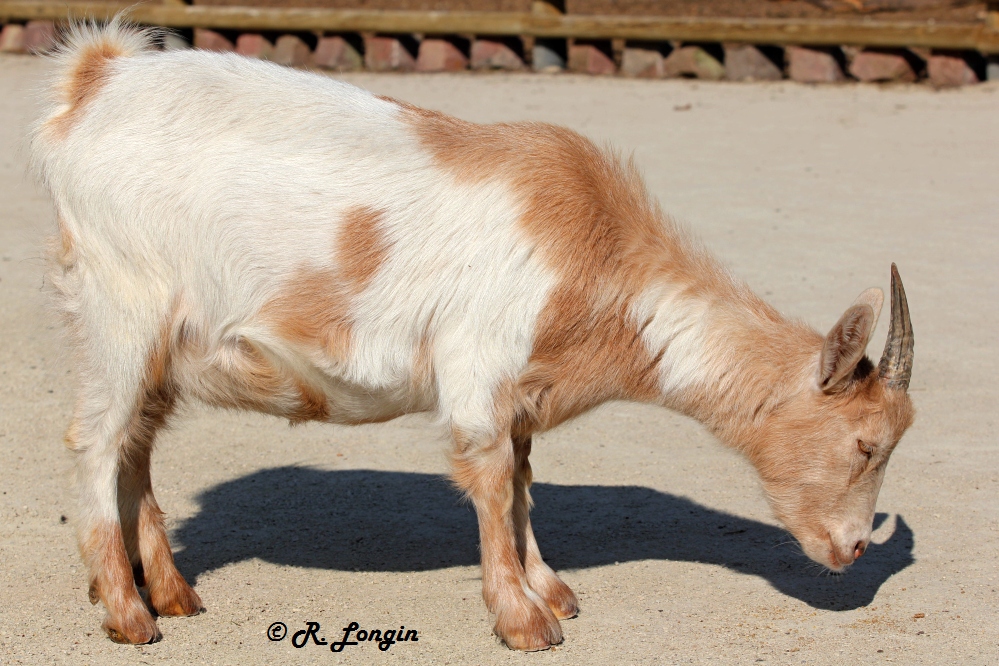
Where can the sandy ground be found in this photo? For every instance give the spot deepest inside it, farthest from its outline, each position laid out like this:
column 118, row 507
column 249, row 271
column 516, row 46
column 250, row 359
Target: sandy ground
column 808, row 193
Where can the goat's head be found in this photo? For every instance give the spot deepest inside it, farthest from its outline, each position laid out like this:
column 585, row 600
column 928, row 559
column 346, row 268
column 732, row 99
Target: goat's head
column 823, row 452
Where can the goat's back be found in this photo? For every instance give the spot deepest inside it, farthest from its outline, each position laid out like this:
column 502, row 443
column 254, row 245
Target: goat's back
column 255, row 202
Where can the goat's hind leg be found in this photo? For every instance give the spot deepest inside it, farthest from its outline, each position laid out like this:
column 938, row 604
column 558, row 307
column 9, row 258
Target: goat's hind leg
column 99, row 438
column 145, row 535
column 124, row 397
column 542, row 579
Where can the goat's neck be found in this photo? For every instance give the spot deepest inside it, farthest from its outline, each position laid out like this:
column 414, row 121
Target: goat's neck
column 727, row 358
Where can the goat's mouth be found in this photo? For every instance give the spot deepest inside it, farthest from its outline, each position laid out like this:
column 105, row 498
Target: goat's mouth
column 817, row 544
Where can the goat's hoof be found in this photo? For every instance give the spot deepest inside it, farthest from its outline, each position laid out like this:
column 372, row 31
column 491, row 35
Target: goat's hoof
column 176, row 599
column 560, row 599
column 136, row 630
column 529, row 627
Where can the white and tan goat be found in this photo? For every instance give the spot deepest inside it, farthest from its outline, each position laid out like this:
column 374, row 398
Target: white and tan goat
column 261, row 238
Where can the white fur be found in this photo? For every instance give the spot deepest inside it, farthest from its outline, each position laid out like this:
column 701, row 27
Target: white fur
column 679, row 324
column 210, row 179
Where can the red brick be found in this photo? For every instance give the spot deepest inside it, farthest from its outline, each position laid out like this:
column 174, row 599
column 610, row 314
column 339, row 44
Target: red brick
column 872, row 66
column 487, row 54
column 747, row 63
column 12, row 38
column 812, row 66
column 209, row 40
column 643, row 63
column 693, row 61
column 39, row 36
column 589, row 59
column 254, row 46
column 337, row 53
column 387, row 54
column 948, row 71
column 291, row 50
column 440, row 55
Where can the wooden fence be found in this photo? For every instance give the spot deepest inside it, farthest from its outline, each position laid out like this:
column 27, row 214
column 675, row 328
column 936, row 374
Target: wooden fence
column 978, row 35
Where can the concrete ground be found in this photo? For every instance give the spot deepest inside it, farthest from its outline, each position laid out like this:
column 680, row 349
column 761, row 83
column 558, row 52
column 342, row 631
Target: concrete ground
column 807, row 192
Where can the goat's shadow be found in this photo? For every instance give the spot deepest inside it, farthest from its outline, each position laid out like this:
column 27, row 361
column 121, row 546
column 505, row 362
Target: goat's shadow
column 365, row 520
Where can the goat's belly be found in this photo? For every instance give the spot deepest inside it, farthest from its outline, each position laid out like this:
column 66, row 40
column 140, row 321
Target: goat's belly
column 350, row 404
column 239, row 374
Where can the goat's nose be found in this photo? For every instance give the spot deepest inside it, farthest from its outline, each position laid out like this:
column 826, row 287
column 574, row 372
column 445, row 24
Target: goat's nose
column 859, row 549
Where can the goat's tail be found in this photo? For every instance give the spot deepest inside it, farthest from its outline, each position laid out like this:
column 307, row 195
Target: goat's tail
column 83, row 60
column 87, row 48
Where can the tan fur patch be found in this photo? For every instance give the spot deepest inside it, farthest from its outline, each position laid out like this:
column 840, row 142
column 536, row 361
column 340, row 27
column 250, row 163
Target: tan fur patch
column 592, row 222
column 594, row 225
column 361, row 248
column 313, row 310
column 314, row 307
column 763, row 357
column 93, row 67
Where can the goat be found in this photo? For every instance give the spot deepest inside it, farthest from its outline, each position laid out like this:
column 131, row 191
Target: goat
column 254, row 237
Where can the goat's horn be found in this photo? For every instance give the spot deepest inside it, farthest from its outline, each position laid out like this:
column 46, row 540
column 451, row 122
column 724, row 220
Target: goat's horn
column 895, row 367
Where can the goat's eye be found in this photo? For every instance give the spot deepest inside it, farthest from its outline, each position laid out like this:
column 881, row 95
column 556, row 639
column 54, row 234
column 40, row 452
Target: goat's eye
column 865, row 448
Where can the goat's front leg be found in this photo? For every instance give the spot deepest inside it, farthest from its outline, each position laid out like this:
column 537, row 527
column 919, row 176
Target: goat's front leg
column 485, row 471
column 559, row 596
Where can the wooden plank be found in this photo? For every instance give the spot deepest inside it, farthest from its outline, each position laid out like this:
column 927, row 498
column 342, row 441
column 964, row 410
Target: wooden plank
column 852, row 31
column 941, row 10
column 384, row 5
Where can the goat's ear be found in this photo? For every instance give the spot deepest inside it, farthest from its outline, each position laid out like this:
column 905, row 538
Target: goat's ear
column 847, row 341
column 873, row 297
